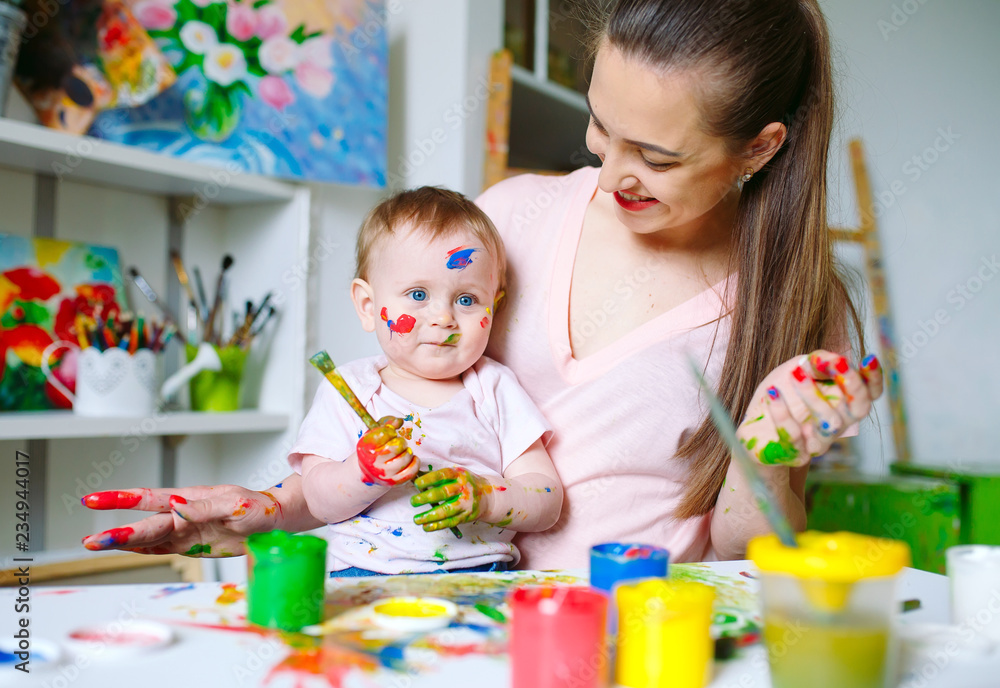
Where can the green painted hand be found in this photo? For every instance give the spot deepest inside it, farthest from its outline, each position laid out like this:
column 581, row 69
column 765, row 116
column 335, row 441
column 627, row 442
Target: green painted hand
column 459, row 494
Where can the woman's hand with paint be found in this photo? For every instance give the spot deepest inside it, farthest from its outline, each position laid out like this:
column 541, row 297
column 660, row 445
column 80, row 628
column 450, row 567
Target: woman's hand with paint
column 458, row 492
column 384, row 457
column 196, row 521
column 804, row 404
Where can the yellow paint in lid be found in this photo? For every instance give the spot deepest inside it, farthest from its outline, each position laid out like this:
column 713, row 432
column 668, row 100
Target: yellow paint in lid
column 413, row 614
column 411, row 606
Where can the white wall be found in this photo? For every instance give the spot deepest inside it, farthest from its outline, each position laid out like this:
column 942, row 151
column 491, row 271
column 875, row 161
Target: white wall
column 919, row 82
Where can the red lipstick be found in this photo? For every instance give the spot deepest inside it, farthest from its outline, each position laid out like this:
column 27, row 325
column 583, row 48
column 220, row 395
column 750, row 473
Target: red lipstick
column 634, row 206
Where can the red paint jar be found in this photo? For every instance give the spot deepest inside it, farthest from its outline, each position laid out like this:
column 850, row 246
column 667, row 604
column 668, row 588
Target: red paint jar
column 558, row 637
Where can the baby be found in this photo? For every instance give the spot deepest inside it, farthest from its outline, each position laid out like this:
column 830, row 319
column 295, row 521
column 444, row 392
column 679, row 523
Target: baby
column 430, row 272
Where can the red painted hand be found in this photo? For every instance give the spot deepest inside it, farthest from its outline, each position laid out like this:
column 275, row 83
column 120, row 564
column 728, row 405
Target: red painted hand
column 196, row 521
column 384, row 457
column 461, row 492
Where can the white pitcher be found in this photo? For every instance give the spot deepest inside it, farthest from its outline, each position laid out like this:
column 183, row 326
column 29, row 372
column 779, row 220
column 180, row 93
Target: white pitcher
column 116, row 383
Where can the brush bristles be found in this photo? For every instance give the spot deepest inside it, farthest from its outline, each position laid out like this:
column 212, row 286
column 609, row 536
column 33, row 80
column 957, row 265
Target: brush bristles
column 323, row 362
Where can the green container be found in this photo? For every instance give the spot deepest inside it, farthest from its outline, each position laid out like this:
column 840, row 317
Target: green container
column 218, row 390
column 285, row 586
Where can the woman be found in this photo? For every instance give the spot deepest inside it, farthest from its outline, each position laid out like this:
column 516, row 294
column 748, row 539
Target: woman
column 702, row 235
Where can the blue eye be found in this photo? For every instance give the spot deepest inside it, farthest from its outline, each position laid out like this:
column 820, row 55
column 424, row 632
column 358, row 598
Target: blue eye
column 466, row 300
column 418, row 295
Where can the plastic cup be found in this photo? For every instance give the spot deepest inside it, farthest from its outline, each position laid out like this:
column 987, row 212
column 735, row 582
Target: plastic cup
column 828, row 606
column 974, row 578
column 557, row 637
column 615, row 562
column 285, row 582
column 218, row 390
column 664, row 634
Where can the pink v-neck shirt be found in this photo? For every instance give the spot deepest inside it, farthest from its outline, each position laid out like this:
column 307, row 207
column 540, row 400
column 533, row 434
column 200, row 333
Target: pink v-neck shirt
column 618, row 415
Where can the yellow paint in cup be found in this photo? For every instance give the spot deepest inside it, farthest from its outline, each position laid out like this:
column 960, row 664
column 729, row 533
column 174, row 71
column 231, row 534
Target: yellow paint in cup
column 664, row 634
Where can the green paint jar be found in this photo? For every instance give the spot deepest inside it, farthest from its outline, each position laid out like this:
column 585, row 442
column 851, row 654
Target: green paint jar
column 286, row 577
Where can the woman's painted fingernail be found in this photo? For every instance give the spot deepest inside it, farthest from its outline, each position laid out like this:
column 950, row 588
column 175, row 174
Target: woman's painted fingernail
column 870, row 362
column 821, row 365
column 799, row 374
column 772, row 392
column 177, row 499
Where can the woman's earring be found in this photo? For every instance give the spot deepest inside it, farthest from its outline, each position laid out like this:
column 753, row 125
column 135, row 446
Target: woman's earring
column 745, row 177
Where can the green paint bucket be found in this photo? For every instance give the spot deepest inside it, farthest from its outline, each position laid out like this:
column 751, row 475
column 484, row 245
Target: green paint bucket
column 286, row 577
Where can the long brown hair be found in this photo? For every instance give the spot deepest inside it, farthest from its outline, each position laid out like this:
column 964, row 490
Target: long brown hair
column 756, row 62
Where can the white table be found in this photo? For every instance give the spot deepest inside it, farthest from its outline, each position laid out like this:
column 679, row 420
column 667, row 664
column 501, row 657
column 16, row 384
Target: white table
column 213, row 646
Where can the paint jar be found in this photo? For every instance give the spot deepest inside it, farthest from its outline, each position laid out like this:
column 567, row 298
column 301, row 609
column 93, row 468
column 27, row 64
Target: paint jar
column 613, row 562
column 974, row 579
column 285, row 580
column 664, row 634
column 557, row 637
column 828, row 605
column 218, row 390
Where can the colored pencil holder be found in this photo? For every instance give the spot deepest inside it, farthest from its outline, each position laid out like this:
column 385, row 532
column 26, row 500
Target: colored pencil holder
column 112, row 382
column 557, row 637
column 664, row 634
column 218, row 390
column 285, row 580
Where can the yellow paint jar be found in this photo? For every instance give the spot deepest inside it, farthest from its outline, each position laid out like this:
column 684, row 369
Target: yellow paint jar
column 664, row 637
column 828, row 606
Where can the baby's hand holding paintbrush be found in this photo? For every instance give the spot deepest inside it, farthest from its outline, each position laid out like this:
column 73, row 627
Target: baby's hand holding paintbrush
column 384, row 457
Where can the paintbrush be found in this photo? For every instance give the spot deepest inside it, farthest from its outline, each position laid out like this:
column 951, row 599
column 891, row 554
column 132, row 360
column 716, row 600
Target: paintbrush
column 227, row 261
column 324, row 364
column 766, row 501
column 152, row 297
column 182, row 277
column 202, row 301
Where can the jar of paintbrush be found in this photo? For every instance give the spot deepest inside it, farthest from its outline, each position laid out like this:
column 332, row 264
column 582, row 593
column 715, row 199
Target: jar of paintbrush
column 219, row 338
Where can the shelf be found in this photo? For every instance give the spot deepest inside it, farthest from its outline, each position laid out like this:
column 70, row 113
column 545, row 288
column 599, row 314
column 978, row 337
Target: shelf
column 567, row 96
column 548, row 125
column 61, row 424
column 34, row 148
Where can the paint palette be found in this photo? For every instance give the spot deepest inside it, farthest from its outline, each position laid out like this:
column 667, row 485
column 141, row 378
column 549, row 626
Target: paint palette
column 115, row 640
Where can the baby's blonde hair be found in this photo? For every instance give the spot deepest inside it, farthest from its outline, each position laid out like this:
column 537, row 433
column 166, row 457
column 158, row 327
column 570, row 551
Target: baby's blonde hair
column 433, row 212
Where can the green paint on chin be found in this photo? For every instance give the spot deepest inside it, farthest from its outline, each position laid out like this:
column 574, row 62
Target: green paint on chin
column 780, row 452
column 198, row 549
column 750, row 444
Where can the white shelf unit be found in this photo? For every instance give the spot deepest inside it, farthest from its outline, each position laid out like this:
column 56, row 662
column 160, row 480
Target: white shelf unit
column 86, row 189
